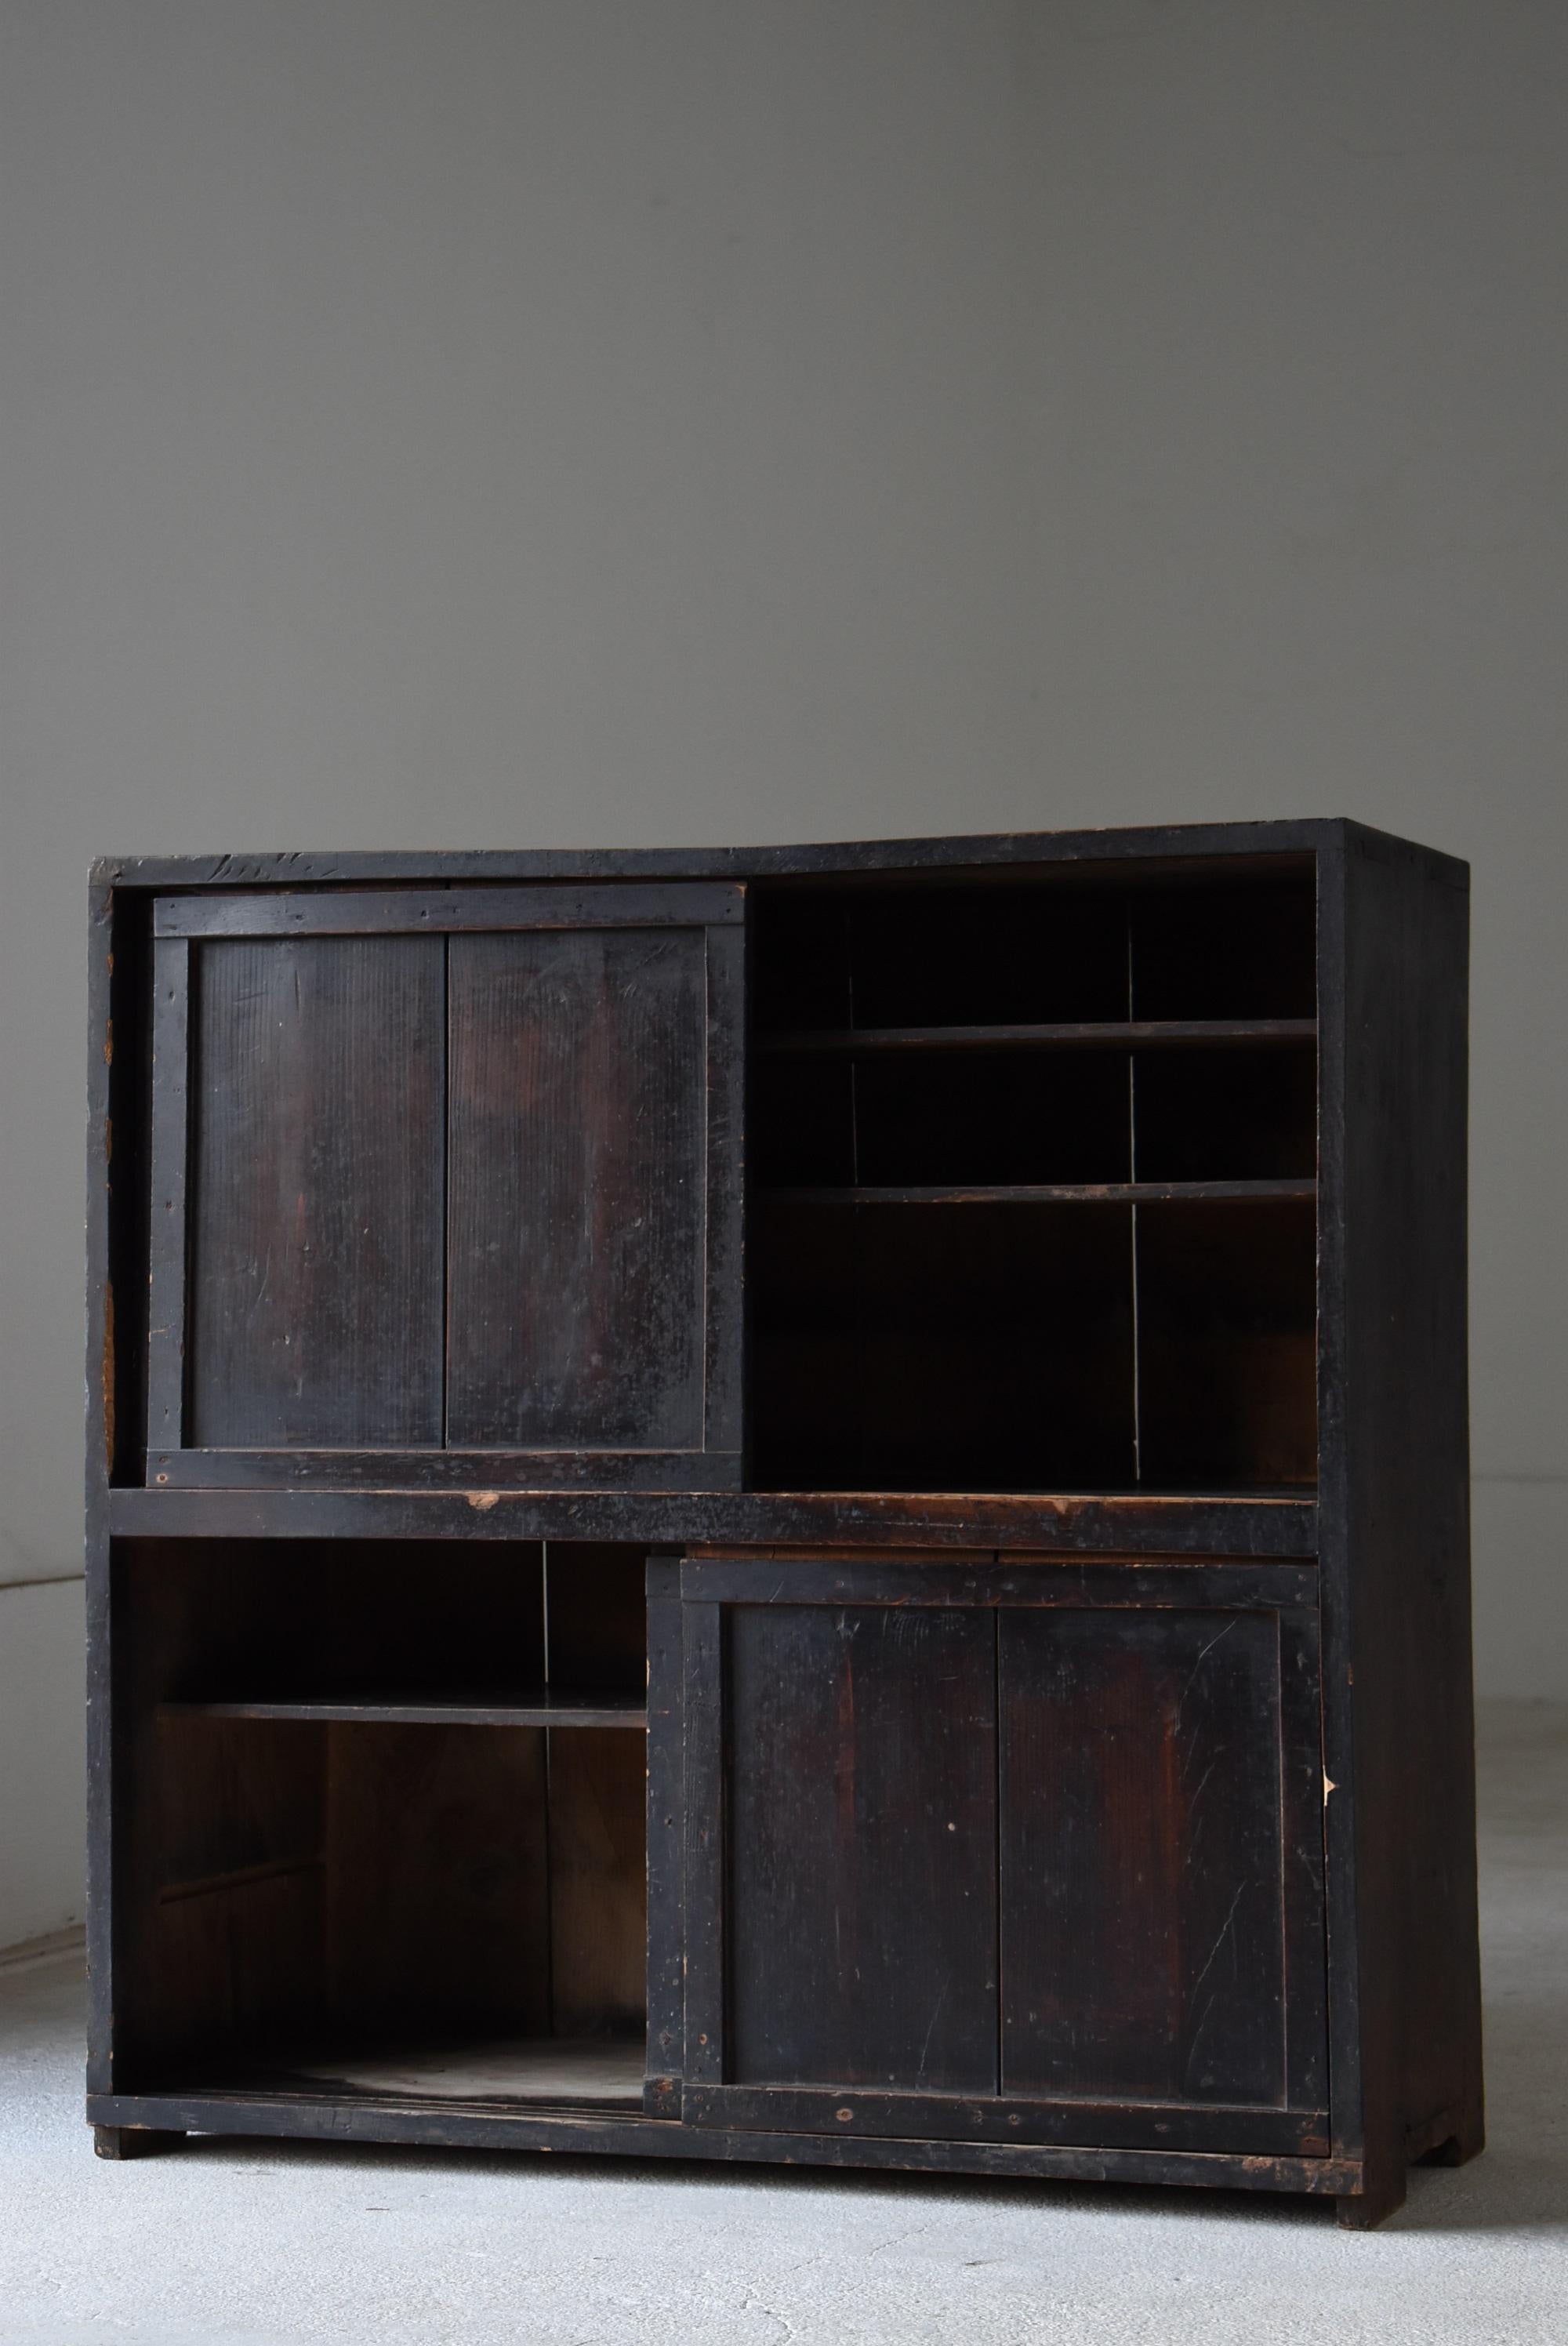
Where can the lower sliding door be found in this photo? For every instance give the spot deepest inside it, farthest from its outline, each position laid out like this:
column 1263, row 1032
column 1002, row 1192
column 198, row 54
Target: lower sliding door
column 1020, row 1854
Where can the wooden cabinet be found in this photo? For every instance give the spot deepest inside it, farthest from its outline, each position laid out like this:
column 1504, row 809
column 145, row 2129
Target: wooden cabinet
column 805, row 1504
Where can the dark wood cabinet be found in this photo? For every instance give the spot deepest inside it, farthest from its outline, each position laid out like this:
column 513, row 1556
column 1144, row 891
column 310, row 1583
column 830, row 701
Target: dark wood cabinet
column 805, row 1504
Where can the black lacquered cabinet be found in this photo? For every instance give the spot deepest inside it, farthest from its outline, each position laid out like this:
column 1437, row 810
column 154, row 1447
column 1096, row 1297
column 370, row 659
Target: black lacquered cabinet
column 805, row 1504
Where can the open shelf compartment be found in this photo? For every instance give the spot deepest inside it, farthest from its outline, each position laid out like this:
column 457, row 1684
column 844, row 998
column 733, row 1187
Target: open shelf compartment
column 1032, row 1172
column 349, row 1873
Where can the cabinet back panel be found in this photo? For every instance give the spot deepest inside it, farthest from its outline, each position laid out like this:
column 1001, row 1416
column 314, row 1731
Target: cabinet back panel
column 577, row 1173
column 1141, row 1858
column 860, row 1909
column 598, row 1882
column 1227, row 1344
column 316, row 1208
column 438, row 1904
column 927, row 1348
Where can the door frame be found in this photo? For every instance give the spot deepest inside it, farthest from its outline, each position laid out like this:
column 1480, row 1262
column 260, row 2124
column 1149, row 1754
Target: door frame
column 180, row 923
column 689, row 1763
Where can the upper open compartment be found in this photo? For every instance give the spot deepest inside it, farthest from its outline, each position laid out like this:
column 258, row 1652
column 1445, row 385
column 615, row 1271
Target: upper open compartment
column 1032, row 1166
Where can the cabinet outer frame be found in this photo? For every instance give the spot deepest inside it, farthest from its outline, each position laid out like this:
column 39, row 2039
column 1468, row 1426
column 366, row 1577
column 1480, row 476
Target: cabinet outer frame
column 1390, row 1524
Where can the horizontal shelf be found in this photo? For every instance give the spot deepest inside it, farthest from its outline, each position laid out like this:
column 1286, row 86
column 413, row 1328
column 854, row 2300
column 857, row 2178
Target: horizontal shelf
column 534, row 1708
column 1216, row 1521
column 1054, row 1193
column 545, row 2073
column 1141, row 1034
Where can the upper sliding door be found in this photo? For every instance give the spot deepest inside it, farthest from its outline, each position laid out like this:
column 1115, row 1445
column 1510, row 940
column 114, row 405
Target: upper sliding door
column 447, row 1188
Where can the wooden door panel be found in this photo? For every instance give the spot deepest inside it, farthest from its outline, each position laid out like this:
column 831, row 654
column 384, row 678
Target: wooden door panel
column 448, row 1189
column 862, row 1848
column 578, row 1080
column 990, row 1853
column 315, row 1205
column 1141, row 1856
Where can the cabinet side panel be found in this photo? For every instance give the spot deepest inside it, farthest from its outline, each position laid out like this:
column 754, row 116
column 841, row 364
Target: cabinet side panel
column 1407, row 1494
column 315, row 1263
column 577, row 1168
column 1141, row 1857
column 861, row 1862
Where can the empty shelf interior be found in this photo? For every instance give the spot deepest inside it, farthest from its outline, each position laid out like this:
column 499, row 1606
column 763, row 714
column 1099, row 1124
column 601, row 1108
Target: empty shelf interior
column 590, row 2073
column 325, row 1860
column 1085, row 1098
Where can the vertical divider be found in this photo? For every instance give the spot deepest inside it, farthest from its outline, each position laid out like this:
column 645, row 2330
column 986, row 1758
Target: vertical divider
column 855, row 1181
column 706, row 1839
column 666, row 2058
column 1132, row 1176
column 445, row 1188
column 545, row 1737
column 1000, row 2087
column 168, row 1236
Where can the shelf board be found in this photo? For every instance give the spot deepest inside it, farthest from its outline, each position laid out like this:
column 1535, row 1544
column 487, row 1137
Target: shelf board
column 1055, row 1193
column 1139, row 1033
column 549, row 2073
column 536, row 1706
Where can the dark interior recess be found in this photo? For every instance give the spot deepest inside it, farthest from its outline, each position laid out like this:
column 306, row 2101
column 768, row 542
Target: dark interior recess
column 1225, row 1115
column 430, row 1910
column 973, row 1344
column 910, row 1348
column 1227, row 1344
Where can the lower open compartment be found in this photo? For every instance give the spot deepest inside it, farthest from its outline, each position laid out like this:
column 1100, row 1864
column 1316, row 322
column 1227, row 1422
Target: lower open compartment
column 385, row 1828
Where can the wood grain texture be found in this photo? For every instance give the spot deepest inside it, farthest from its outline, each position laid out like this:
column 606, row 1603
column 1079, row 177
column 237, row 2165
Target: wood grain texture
column 540, row 1708
column 1142, row 1856
column 577, row 1160
column 439, row 1916
column 412, row 912
column 315, row 1218
column 168, row 1243
column 666, row 1830
column 1274, row 848
column 321, row 2116
column 858, row 1905
column 1093, row 1034
column 1404, row 1970
column 598, row 1884
column 1129, row 1522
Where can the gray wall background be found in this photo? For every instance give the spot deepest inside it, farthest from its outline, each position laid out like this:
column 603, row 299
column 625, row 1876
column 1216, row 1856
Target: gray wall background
column 509, row 422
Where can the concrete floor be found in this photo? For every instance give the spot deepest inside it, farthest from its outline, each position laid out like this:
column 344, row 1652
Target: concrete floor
column 264, row 2243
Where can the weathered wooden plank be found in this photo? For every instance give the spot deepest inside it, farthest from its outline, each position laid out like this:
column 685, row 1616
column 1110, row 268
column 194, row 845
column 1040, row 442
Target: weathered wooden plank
column 318, row 2118
column 851, row 2110
column 541, row 1708
column 315, row 1223
column 1049, row 1193
column 1037, row 1581
column 169, row 1245
column 599, row 1885
column 257, row 1467
column 666, row 1830
column 1050, row 1522
column 1108, row 1034
column 705, row 1788
column 576, row 1157
column 1142, row 1857
column 1276, row 845
column 414, row 912
column 858, row 1913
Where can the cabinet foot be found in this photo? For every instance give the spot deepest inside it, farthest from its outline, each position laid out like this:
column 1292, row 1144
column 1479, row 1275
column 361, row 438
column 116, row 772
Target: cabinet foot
column 132, row 2142
column 1362, row 2211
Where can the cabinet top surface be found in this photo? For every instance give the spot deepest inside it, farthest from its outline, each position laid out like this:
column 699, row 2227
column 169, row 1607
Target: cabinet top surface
column 1181, row 843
